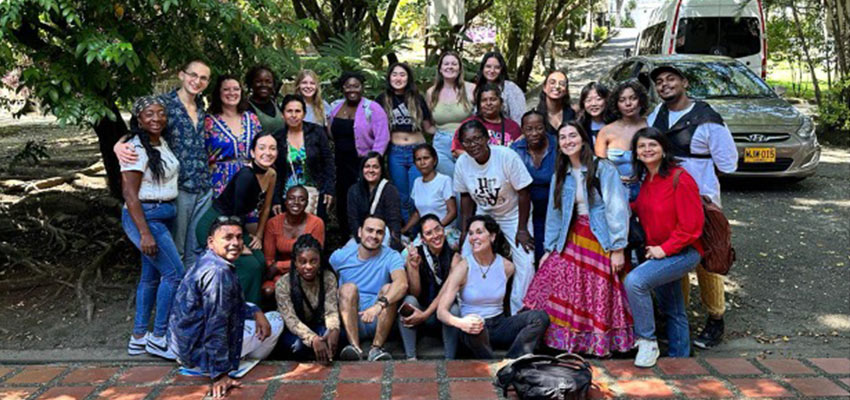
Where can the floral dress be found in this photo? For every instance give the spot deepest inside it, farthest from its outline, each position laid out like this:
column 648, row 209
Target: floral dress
column 228, row 153
column 298, row 162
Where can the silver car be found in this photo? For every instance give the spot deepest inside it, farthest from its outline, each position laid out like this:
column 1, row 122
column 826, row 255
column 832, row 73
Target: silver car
column 774, row 139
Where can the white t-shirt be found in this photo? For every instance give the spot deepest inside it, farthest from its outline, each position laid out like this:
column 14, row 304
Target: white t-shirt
column 151, row 190
column 430, row 197
column 494, row 185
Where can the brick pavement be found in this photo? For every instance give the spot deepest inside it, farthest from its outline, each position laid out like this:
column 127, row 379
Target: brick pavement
column 456, row 380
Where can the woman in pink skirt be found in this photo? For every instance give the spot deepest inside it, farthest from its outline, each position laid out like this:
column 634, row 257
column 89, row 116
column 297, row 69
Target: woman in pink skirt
column 578, row 283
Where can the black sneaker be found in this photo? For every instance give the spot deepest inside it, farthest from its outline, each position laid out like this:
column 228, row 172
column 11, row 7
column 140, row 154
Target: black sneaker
column 350, row 353
column 379, row 354
column 711, row 335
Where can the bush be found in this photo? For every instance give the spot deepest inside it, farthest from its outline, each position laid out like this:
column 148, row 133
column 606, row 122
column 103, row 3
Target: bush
column 834, row 115
column 600, row 33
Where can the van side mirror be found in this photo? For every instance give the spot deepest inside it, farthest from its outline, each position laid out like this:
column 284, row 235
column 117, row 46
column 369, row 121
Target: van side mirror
column 780, row 90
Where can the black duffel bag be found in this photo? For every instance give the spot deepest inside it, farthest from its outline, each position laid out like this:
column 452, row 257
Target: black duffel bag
column 536, row 377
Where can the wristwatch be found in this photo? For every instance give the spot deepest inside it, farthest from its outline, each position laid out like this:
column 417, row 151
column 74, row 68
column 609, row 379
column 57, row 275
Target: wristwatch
column 384, row 302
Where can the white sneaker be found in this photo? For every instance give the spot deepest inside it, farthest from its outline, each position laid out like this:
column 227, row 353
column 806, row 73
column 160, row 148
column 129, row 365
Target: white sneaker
column 137, row 346
column 158, row 346
column 647, row 353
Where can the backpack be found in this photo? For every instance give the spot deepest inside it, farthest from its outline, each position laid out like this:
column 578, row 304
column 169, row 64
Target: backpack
column 537, row 377
column 718, row 253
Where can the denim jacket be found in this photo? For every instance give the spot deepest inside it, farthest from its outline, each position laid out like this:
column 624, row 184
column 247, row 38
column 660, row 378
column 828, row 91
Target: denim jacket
column 609, row 219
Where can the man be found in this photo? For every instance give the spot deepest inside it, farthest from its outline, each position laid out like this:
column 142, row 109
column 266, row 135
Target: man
column 209, row 326
column 372, row 280
column 702, row 142
column 185, row 136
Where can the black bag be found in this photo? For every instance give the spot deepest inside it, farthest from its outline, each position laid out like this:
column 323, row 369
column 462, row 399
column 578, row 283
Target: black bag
column 536, row 377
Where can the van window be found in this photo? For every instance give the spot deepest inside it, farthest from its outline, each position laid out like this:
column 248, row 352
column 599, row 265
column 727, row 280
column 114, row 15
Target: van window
column 650, row 41
column 722, row 36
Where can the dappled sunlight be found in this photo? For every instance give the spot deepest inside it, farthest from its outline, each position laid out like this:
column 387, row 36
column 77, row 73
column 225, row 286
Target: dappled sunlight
column 839, row 322
column 801, row 201
column 735, row 222
column 835, row 155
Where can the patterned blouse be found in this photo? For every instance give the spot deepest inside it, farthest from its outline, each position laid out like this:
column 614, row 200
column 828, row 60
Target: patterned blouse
column 228, row 153
column 298, row 162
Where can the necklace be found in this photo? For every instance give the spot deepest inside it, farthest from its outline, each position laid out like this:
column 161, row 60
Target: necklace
column 483, row 272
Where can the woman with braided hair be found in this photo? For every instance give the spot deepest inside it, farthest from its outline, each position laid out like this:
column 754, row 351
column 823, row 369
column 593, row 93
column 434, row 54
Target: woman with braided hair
column 307, row 299
column 149, row 186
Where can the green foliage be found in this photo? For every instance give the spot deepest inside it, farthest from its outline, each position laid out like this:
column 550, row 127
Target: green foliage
column 834, row 114
column 600, row 33
column 444, row 37
column 83, row 57
column 32, row 152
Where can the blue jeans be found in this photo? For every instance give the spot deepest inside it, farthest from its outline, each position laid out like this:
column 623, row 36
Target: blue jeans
column 190, row 208
column 443, row 144
column 521, row 332
column 664, row 277
column 403, row 172
column 161, row 274
column 450, row 333
column 296, row 346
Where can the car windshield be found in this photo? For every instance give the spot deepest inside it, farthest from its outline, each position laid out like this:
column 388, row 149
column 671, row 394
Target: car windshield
column 707, row 80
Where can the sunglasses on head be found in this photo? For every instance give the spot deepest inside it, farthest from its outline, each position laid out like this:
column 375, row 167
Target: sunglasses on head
column 229, row 219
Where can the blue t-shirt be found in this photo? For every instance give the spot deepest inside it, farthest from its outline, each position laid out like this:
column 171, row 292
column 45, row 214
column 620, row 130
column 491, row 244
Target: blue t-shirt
column 369, row 275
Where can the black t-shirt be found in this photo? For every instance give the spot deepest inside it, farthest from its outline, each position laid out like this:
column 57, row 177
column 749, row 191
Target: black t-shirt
column 429, row 283
column 241, row 195
column 343, row 134
column 399, row 117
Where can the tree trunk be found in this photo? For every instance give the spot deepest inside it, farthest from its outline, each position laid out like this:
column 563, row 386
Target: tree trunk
column 805, row 45
column 543, row 27
column 589, row 33
column 839, row 33
column 108, row 132
column 572, row 37
column 513, row 43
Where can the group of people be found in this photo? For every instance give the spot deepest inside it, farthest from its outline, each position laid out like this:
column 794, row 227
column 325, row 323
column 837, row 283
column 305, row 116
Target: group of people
column 509, row 230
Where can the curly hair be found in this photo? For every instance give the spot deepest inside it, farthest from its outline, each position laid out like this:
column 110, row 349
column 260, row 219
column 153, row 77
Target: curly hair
column 612, row 109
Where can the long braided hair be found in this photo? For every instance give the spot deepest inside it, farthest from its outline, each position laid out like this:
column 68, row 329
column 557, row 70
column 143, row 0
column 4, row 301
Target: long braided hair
column 307, row 242
column 155, row 162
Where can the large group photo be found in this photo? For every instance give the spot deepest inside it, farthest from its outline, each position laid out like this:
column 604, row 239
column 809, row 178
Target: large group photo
column 599, row 193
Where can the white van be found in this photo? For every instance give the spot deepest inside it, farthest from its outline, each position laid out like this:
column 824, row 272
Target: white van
column 734, row 28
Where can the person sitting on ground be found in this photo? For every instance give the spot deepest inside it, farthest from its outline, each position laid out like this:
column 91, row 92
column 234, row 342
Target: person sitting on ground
column 500, row 129
column 212, row 327
column 482, row 280
column 281, row 233
column 427, row 267
column 307, row 299
column 149, row 186
column 670, row 211
column 627, row 106
column 591, row 112
column 432, row 191
column 251, row 189
column 374, row 194
column 372, row 281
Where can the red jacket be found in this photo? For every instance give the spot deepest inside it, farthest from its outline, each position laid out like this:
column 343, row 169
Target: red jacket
column 672, row 218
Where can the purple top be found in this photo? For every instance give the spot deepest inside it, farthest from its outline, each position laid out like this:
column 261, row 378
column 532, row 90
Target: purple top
column 371, row 132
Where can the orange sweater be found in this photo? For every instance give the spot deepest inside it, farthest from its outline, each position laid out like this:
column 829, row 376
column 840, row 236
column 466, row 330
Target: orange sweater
column 278, row 249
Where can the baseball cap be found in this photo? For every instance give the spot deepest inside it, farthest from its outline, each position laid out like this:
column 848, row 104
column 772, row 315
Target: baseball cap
column 666, row 68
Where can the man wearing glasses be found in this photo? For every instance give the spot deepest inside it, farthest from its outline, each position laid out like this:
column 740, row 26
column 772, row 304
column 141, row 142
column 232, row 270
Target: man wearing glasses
column 185, row 136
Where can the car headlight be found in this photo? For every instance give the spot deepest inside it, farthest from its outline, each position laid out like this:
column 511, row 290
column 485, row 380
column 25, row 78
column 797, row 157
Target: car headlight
column 807, row 128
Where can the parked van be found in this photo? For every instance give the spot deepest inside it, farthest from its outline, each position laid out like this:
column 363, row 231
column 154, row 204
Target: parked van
column 734, row 28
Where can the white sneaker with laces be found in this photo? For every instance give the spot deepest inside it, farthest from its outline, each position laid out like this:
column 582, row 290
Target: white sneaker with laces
column 137, row 346
column 158, row 346
column 647, row 353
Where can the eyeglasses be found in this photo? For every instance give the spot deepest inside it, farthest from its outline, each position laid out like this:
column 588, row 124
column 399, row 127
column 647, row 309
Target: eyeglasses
column 224, row 219
column 553, row 82
column 195, row 76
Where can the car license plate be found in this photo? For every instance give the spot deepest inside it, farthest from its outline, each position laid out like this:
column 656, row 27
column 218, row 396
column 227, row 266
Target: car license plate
column 759, row 155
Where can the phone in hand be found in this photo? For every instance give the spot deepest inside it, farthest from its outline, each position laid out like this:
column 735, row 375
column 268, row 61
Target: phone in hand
column 406, row 310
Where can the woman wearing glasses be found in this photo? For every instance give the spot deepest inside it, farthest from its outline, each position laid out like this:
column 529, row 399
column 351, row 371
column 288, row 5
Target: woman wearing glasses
column 252, row 188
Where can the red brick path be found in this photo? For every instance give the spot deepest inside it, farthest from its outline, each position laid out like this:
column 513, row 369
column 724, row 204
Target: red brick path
column 671, row 378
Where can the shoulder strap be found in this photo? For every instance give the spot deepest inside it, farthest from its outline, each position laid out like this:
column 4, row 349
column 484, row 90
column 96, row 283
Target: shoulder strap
column 377, row 197
column 367, row 109
column 676, row 177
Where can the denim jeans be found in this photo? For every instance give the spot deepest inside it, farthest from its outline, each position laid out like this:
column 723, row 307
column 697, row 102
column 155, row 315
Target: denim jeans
column 190, row 208
column 664, row 277
column 443, row 144
column 300, row 350
column 450, row 333
column 521, row 332
column 160, row 274
column 403, row 172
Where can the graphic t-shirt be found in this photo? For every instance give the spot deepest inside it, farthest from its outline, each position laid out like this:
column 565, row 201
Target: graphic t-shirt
column 399, row 118
column 494, row 185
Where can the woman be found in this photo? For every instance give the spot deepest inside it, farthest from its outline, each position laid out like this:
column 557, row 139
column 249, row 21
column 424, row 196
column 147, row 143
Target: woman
column 578, row 283
column 537, row 150
column 263, row 84
column 307, row 299
column 432, row 192
column 251, row 189
column 555, row 101
column 670, row 211
column 307, row 159
column 481, row 281
column 229, row 129
column 494, row 70
column 358, row 126
column 149, row 186
column 627, row 106
column 373, row 194
column 450, row 100
column 501, row 129
column 282, row 231
column 427, row 266
column 307, row 85
column 492, row 180
column 409, row 117
column 591, row 103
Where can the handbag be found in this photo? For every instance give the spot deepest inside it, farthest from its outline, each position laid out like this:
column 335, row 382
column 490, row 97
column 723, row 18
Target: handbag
column 539, row 377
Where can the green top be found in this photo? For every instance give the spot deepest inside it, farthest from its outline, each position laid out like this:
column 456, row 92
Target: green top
column 297, row 159
column 448, row 116
column 269, row 123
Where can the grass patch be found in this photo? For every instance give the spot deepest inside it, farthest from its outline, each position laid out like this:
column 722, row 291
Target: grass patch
column 803, row 90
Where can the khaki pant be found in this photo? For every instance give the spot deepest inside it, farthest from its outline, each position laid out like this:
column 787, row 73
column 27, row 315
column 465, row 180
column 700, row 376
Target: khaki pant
column 711, row 292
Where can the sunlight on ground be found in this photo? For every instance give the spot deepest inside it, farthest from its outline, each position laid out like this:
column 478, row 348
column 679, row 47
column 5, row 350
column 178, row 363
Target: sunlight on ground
column 839, row 322
column 735, row 222
column 835, row 155
column 808, row 203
